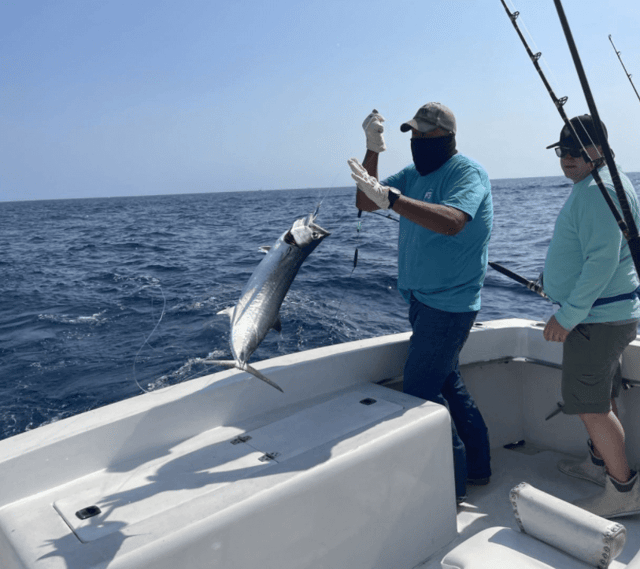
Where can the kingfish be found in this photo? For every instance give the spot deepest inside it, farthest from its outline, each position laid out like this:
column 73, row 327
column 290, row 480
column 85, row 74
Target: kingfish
column 258, row 309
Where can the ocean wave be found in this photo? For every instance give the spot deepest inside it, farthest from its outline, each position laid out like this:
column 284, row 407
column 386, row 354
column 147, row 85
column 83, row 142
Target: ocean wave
column 93, row 320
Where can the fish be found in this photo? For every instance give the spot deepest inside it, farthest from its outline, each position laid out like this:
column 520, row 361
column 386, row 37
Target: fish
column 258, row 309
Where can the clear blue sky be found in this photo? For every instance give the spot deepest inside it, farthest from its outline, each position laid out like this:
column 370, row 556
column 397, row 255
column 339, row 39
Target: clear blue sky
column 134, row 97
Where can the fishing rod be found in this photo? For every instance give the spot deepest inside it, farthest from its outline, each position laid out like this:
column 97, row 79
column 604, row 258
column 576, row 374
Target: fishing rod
column 531, row 285
column 386, row 215
column 559, row 104
column 623, row 67
column 627, row 225
column 632, row 236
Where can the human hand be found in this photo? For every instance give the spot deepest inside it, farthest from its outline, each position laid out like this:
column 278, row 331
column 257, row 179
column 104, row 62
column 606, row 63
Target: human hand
column 373, row 129
column 553, row 332
column 369, row 185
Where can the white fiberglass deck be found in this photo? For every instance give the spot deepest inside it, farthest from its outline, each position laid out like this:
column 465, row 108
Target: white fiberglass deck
column 338, row 483
column 298, row 487
column 204, row 465
column 489, row 506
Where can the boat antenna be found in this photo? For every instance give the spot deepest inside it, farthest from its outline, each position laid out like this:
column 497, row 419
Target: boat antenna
column 628, row 224
column 623, row 67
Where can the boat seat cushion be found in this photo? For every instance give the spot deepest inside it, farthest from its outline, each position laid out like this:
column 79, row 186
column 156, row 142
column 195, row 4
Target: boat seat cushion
column 553, row 533
column 499, row 547
column 586, row 536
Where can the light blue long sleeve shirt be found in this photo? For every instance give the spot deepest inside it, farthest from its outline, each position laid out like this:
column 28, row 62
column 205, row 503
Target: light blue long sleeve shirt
column 589, row 258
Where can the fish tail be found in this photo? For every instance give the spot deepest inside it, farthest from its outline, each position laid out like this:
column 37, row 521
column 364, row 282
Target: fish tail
column 223, row 363
column 244, row 367
column 264, row 378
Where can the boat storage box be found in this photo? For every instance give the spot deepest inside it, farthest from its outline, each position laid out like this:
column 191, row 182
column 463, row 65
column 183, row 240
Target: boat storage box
column 359, row 478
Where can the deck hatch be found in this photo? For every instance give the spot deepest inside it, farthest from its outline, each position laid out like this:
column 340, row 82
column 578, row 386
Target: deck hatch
column 201, row 469
column 319, row 424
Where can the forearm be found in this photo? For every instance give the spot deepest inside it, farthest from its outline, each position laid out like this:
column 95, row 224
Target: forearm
column 438, row 218
column 364, row 203
column 370, row 163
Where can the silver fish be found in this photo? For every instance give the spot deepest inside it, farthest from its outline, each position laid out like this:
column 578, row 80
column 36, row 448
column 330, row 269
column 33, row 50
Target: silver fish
column 258, row 309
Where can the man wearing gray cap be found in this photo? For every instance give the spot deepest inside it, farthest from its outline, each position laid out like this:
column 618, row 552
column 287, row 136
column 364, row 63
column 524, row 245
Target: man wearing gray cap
column 446, row 213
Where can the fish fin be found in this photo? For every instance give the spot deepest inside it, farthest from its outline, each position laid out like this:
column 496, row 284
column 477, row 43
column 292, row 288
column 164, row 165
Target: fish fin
column 223, row 363
column 313, row 216
column 243, row 367
column 264, row 249
column 228, row 311
column 264, row 378
column 277, row 325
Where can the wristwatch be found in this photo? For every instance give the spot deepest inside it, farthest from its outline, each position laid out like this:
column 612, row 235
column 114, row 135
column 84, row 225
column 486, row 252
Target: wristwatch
column 394, row 194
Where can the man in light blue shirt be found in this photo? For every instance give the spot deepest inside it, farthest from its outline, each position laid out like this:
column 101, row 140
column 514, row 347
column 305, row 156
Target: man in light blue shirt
column 446, row 214
column 589, row 272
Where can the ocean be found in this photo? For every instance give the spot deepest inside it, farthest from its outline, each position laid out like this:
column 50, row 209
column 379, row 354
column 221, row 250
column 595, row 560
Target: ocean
column 102, row 298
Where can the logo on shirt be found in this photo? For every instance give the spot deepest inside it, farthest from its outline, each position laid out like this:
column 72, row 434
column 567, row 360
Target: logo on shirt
column 427, row 196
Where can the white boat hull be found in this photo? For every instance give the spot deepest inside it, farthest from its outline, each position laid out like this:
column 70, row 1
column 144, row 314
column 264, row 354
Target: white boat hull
column 340, row 483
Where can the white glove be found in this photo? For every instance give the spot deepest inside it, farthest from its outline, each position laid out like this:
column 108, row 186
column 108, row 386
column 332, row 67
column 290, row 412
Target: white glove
column 369, row 185
column 373, row 128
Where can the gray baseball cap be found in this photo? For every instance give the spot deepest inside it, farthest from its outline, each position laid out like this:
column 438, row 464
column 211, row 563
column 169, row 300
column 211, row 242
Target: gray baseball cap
column 431, row 116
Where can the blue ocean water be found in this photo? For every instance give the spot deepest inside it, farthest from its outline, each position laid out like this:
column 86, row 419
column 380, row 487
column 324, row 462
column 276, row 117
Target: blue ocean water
column 100, row 297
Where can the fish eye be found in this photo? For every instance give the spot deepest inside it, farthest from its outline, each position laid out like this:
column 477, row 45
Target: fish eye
column 315, row 235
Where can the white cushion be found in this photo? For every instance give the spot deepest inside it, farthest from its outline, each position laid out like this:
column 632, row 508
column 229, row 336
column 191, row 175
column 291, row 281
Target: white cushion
column 504, row 548
column 560, row 536
column 588, row 537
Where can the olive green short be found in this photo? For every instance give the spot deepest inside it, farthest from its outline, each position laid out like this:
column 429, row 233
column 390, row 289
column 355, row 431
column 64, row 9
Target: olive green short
column 591, row 366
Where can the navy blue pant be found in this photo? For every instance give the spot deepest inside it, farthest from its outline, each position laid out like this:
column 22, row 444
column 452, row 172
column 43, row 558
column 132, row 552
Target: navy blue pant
column 432, row 372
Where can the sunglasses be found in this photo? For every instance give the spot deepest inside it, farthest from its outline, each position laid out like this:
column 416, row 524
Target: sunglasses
column 562, row 151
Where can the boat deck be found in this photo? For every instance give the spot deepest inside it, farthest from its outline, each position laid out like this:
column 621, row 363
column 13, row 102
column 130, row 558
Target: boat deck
column 162, row 480
column 489, row 506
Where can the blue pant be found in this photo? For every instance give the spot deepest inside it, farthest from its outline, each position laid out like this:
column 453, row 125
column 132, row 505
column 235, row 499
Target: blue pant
column 432, row 372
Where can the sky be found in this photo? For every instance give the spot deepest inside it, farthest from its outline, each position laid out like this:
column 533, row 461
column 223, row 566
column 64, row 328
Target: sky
column 106, row 98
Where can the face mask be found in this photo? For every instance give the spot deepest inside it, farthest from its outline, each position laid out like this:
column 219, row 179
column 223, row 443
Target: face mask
column 431, row 153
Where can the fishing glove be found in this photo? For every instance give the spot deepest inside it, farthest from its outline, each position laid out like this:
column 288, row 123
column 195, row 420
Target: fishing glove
column 373, row 128
column 369, row 185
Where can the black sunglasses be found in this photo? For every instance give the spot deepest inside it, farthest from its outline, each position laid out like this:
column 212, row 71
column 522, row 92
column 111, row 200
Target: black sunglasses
column 562, row 151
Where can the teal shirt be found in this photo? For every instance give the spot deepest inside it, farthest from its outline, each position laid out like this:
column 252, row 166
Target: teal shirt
column 445, row 272
column 589, row 258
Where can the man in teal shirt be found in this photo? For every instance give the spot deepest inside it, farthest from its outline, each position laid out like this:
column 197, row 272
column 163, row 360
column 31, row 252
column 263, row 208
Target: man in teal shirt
column 589, row 272
column 446, row 213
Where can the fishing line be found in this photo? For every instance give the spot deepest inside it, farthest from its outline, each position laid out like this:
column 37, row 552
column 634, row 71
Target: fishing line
column 631, row 235
column 359, row 229
column 358, row 226
column 627, row 225
column 355, row 258
column 386, row 215
column 146, row 341
column 533, row 42
column 623, row 67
